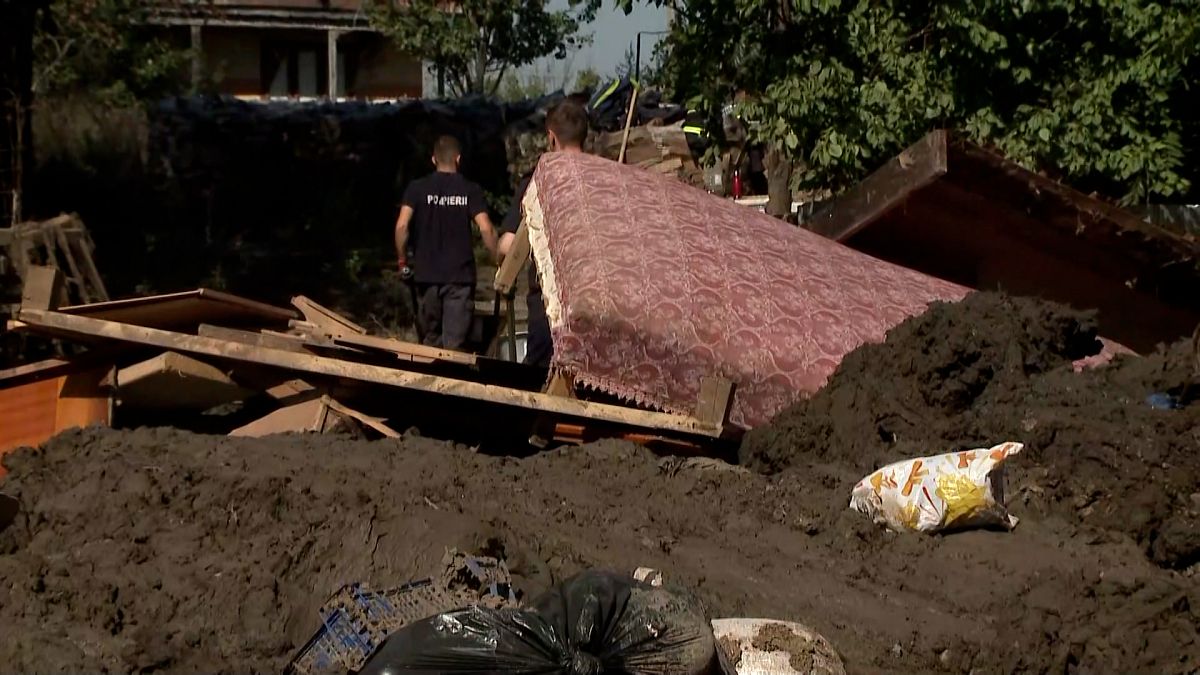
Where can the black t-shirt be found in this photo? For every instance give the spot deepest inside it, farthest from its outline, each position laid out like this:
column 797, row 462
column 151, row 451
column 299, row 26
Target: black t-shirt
column 440, row 235
column 512, row 220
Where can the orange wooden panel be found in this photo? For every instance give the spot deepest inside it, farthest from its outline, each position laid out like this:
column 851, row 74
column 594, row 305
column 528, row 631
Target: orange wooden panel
column 31, row 413
column 82, row 400
column 28, row 414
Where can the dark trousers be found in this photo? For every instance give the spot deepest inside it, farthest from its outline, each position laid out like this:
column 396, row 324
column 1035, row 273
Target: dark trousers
column 538, row 345
column 445, row 314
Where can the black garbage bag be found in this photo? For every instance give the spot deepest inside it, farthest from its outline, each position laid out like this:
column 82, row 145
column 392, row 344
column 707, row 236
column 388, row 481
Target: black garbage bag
column 595, row 623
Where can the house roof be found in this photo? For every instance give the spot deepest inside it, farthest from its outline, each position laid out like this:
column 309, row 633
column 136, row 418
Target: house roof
column 310, row 14
column 955, row 210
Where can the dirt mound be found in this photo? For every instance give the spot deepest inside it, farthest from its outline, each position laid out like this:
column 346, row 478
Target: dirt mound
column 161, row 550
column 993, row 369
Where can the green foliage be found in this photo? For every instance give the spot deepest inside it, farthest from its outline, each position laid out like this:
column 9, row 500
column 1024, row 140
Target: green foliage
column 481, row 40
column 587, row 80
column 104, row 48
column 1099, row 90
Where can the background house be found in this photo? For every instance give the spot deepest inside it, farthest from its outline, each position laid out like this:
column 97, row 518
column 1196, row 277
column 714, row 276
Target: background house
column 292, row 48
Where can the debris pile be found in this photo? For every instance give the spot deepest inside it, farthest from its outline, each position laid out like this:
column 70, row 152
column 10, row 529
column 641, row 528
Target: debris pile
column 237, row 542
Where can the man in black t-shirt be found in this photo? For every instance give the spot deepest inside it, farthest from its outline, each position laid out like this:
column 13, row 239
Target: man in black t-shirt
column 567, row 127
column 435, row 223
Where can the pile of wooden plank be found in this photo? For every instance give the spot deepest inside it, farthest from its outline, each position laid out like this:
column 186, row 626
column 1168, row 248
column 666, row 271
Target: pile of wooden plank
column 297, row 369
column 662, row 149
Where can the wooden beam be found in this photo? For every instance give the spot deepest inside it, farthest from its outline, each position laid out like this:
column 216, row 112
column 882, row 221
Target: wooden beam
column 514, row 262
column 919, row 165
column 331, row 64
column 76, row 326
column 197, row 45
column 43, row 288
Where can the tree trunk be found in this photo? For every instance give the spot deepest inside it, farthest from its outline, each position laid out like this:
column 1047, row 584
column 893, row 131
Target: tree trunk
column 16, row 81
column 479, row 85
column 779, row 179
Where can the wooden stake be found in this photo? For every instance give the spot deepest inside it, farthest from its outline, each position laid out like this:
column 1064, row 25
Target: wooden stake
column 628, row 123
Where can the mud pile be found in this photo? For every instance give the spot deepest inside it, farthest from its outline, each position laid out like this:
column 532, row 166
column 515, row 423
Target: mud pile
column 991, row 369
column 160, row 550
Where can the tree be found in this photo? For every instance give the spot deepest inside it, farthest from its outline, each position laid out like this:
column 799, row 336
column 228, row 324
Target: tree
column 106, row 48
column 1098, row 90
column 476, row 42
column 587, row 80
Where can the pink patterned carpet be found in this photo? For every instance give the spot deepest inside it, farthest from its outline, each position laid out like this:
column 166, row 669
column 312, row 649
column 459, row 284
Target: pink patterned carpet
column 655, row 284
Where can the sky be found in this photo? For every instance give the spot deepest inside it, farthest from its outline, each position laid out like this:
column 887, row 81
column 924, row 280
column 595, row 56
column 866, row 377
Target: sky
column 612, row 33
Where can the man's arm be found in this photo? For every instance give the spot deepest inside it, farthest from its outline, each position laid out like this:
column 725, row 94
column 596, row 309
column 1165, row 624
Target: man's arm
column 504, row 245
column 402, row 222
column 488, row 233
column 512, row 220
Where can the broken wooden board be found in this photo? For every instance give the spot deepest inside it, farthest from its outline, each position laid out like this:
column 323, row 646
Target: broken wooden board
column 716, row 397
column 175, row 381
column 57, row 323
column 324, row 318
column 42, row 288
column 331, row 336
column 402, row 348
column 320, row 414
column 33, row 412
column 186, row 311
column 274, row 340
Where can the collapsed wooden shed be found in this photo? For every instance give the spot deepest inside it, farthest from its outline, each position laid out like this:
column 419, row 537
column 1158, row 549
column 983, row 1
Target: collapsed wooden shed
column 963, row 213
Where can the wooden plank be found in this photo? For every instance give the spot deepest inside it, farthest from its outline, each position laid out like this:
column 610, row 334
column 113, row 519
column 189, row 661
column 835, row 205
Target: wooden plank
column 185, row 310
column 51, row 368
column 716, row 396
column 270, row 339
column 373, row 422
column 316, row 414
column 64, row 247
column 325, row 318
column 83, row 241
column 919, row 165
column 514, row 262
column 43, row 288
column 296, row 418
column 403, row 348
column 175, row 381
column 77, row 326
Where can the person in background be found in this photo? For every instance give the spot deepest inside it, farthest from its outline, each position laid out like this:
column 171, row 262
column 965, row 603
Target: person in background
column 567, row 128
column 435, row 220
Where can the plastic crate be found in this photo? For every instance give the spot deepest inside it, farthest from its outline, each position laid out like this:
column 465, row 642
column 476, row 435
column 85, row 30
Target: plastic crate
column 356, row 620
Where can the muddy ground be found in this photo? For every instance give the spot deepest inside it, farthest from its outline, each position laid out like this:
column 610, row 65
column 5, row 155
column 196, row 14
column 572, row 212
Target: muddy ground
column 156, row 549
